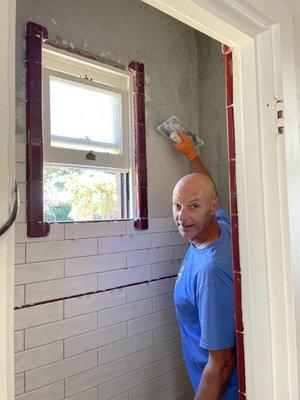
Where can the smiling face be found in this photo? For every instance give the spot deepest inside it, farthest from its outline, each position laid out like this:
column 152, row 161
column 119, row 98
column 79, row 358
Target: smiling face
column 194, row 204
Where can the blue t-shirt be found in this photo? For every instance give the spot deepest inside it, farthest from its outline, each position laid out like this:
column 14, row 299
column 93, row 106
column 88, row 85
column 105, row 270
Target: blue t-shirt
column 204, row 303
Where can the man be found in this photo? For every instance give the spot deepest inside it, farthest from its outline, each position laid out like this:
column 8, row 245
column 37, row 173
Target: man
column 204, row 287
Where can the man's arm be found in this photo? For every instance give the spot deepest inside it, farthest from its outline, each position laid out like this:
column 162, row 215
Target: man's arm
column 215, row 375
column 187, row 148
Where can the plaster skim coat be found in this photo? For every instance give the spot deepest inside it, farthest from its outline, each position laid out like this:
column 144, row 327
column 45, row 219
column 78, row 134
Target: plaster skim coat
column 121, row 342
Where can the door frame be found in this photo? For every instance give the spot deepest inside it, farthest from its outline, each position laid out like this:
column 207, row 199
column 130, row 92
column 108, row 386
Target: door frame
column 260, row 35
column 261, row 38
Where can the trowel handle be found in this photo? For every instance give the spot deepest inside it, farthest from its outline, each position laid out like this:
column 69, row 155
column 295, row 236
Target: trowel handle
column 175, row 137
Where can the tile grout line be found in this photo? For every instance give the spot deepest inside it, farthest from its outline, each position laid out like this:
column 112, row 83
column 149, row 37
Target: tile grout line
column 92, row 292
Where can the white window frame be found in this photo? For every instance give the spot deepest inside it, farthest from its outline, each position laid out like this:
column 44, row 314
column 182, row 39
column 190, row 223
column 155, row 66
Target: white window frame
column 60, row 64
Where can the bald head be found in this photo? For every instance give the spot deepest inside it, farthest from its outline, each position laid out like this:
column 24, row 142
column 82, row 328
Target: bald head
column 196, row 183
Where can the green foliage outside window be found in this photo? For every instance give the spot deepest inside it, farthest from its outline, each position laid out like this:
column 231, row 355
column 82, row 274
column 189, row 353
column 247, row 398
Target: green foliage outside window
column 79, row 194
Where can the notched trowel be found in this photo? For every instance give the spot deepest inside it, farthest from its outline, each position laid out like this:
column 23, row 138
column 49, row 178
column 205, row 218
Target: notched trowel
column 172, row 126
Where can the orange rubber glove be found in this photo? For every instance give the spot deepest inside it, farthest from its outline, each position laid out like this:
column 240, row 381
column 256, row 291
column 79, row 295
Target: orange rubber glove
column 186, row 147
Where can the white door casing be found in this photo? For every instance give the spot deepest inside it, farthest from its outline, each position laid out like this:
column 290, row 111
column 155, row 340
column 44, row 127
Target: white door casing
column 7, row 158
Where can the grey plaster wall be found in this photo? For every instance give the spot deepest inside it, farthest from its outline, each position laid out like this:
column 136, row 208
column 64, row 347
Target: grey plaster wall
column 212, row 115
column 178, row 60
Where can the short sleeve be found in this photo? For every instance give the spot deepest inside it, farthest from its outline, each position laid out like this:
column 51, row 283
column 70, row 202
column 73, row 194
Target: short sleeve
column 221, row 215
column 216, row 316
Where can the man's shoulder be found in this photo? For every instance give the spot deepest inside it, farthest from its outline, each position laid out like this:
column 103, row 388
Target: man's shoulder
column 221, row 215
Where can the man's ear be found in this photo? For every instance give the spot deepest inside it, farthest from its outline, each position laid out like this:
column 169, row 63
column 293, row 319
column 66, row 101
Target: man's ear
column 215, row 204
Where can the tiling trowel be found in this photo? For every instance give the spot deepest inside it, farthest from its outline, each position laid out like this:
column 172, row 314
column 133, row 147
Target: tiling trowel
column 172, row 126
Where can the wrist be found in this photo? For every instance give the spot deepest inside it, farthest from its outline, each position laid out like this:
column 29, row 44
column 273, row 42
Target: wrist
column 192, row 154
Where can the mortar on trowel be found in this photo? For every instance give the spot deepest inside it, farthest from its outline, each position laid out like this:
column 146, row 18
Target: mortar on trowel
column 172, row 126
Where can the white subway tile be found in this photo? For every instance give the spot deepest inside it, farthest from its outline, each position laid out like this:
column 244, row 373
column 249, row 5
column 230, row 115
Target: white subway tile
column 93, row 340
column 20, row 153
column 95, row 229
column 152, row 321
column 175, row 392
column 123, row 243
column 59, row 288
column 37, row 272
column 19, row 253
column 168, row 364
column 147, row 290
column 56, row 233
column 163, row 302
column 22, row 192
column 19, row 384
column 152, row 354
column 179, row 251
column 21, row 217
column 91, row 394
column 60, row 370
column 149, row 256
column 96, row 376
column 157, row 385
column 19, row 295
column 166, row 332
column 125, row 347
column 20, row 172
column 155, row 225
column 123, row 396
column 51, row 392
column 92, row 264
column 167, row 239
column 182, row 374
column 59, row 330
column 94, row 302
column 124, row 313
column 179, row 347
column 113, row 279
column 126, row 382
column 38, row 315
column 165, row 269
column 19, row 341
column 187, row 396
column 44, row 251
column 37, row 357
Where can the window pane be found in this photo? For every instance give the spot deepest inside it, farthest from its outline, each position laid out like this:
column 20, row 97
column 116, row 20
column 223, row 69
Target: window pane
column 81, row 194
column 84, row 117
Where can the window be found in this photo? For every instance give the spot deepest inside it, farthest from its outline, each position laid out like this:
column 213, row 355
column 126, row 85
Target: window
column 87, row 146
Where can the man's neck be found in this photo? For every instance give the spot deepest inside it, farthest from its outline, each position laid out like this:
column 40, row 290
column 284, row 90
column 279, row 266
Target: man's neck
column 209, row 235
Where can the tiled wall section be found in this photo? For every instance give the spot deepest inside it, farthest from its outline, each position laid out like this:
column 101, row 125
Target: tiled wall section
column 118, row 344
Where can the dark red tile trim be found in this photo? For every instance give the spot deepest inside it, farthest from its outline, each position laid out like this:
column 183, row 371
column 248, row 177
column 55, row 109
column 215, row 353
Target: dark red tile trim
column 35, row 36
column 38, row 303
column 140, row 159
column 240, row 361
column 234, row 222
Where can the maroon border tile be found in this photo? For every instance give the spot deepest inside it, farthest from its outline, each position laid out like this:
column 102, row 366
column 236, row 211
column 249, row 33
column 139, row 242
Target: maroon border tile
column 141, row 196
column 140, row 158
column 230, row 132
column 235, row 243
column 240, row 361
column 232, row 186
column 34, row 80
column 229, row 80
column 36, row 227
column 238, row 302
column 140, row 140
